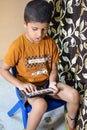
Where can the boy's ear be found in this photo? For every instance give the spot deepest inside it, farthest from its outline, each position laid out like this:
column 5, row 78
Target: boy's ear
column 25, row 24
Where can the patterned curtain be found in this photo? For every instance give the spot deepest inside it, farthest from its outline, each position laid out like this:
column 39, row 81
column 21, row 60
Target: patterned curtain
column 69, row 29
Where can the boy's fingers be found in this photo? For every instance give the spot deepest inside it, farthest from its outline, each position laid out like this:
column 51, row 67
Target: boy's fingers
column 31, row 87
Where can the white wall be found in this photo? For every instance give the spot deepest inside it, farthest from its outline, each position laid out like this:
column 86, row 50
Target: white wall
column 11, row 22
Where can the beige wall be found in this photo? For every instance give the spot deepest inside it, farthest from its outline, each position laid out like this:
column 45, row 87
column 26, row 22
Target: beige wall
column 11, row 22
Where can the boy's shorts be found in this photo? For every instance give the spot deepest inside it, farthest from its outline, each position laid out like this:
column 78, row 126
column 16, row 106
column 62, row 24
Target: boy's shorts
column 25, row 98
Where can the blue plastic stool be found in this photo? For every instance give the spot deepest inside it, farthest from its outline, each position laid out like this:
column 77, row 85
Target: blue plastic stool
column 26, row 108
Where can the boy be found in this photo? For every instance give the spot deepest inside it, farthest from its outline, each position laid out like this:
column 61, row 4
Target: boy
column 35, row 56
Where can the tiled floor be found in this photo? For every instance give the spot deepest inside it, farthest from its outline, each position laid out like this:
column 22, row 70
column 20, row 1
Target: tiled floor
column 8, row 99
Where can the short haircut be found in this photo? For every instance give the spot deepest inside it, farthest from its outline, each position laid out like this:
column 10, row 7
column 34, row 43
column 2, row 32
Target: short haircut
column 38, row 11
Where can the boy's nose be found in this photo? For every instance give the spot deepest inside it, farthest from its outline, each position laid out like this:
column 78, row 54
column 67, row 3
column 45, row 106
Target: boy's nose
column 40, row 33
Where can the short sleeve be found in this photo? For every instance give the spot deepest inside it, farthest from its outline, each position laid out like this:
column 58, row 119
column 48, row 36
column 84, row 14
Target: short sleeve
column 12, row 55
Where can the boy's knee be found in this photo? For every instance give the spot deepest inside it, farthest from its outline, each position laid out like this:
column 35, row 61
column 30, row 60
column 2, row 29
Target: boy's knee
column 40, row 104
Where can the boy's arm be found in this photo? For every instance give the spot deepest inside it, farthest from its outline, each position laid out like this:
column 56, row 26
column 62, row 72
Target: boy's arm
column 4, row 71
column 53, row 73
column 53, row 77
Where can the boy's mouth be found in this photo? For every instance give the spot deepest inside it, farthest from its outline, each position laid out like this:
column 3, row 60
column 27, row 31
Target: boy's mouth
column 39, row 39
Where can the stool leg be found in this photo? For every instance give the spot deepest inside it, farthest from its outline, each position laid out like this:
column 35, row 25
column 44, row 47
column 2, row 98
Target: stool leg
column 24, row 118
column 14, row 109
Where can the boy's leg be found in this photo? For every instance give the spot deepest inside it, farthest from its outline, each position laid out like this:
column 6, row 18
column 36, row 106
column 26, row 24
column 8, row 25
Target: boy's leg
column 39, row 107
column 71, row 96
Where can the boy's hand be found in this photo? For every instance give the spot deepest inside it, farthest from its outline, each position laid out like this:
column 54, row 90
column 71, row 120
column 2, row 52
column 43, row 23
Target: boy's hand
column 26, row 88
column 54, row 86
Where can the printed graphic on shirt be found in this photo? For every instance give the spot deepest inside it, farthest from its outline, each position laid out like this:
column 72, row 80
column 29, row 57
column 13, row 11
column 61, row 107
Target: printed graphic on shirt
column 42, row 71
column 36, row 62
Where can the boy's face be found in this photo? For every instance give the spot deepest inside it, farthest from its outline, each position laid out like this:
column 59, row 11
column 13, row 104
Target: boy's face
column 36, row 31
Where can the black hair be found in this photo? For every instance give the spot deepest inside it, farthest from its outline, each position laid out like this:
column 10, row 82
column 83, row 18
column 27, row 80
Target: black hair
column 38, row 11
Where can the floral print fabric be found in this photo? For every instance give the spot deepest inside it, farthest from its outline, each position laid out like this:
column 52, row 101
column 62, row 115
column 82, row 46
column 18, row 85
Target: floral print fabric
column 69, row 29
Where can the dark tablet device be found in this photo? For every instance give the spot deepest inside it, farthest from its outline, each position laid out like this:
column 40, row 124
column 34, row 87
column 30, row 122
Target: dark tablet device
column 40, row 92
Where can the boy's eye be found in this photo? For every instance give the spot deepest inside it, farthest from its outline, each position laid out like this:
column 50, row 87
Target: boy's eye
column 45, row 29
column 34, row 29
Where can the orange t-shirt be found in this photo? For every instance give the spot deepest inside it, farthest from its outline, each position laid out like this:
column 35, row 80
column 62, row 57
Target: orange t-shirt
column 33, row 61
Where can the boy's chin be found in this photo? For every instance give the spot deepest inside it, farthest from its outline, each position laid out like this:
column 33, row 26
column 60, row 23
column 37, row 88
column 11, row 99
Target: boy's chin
column 37, row 41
